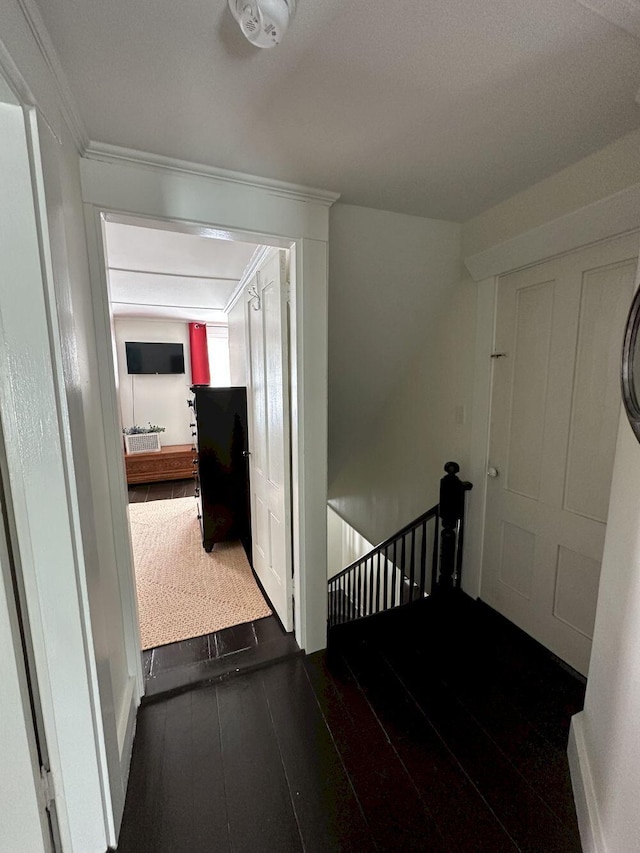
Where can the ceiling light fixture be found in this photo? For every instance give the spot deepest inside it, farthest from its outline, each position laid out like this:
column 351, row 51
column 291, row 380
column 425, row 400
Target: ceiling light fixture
column 263, row 22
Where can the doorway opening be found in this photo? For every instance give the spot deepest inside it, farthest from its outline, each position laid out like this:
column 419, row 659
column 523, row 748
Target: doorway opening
column 199, row 328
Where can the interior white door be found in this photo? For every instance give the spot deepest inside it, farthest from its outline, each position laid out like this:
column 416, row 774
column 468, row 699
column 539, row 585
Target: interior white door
column 555, row 411
column 270, row 461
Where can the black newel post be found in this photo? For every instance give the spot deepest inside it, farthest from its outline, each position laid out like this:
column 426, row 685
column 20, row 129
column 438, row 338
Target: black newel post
column 451, row 512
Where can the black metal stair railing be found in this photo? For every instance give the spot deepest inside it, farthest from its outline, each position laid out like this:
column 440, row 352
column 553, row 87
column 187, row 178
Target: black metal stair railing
column 423, row 557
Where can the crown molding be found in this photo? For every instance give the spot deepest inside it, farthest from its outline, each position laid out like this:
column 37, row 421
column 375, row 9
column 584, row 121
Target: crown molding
column 115, row 154
column 614, row 215
column 68, row 106
column 13, row 89
column 261, row 253
column 623, row 13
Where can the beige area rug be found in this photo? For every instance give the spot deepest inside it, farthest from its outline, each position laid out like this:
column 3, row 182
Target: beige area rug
column 183, row 591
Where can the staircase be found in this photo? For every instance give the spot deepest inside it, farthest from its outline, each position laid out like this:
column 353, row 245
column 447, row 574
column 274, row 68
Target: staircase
column 420, row 560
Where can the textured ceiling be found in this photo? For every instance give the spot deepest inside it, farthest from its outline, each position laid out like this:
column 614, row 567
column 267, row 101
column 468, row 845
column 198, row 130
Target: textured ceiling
column 439, row 108
column 157, row 273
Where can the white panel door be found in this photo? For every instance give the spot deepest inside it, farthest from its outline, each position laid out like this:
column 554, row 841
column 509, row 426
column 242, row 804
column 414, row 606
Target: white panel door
column 555, row 410
column 270, row 464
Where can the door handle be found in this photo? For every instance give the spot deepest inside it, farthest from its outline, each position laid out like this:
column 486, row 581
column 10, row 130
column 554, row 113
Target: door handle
column 493, row 472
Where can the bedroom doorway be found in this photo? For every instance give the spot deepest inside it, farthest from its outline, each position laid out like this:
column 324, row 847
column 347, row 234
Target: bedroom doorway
column 176, row 298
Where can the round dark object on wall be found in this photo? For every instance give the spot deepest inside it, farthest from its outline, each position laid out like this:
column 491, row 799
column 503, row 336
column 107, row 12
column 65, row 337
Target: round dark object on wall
column 630, row 374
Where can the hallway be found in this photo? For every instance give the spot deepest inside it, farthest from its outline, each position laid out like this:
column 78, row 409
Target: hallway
column 449, row 737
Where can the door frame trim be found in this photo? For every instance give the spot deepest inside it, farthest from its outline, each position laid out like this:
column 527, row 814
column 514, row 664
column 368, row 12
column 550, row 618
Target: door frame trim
column 201, row 203
column 262, row 257
column 607, row 218
column 603, row 220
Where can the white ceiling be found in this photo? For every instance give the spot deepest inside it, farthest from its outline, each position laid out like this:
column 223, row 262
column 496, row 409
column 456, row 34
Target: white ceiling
column 169, row 274
column 439, row 108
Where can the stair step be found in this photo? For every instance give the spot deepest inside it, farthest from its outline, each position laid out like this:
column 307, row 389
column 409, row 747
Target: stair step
column 172, row 682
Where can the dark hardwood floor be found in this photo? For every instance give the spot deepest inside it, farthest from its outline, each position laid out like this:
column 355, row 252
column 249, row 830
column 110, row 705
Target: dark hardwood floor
column 203, row 660
column 140, row 492
column 437, row 728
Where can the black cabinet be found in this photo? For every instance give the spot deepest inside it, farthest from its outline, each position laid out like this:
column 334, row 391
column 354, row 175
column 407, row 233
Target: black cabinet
column 223, row 465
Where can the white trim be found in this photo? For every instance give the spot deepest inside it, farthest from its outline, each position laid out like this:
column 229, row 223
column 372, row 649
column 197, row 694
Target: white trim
column 175, row 274
column 127, row 726
column 218, row 330
column 41, row 483
column 583, row 789
column 623, row 13
column 24, row 820
column 609, row 217
column 115, row 190
column 115, row 458
column 8, row 93
column 116, row 154
column 68, row 106
column 259, row 255
column 161, row 223
column 487, row 300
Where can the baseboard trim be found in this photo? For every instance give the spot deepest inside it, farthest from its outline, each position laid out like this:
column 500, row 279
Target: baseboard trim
column 583, row 790
column 127, row 728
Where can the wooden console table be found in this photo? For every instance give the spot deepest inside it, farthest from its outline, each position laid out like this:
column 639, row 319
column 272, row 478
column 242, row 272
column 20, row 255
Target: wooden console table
column 173, row 462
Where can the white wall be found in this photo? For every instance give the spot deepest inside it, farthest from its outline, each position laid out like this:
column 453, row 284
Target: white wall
column 396, row 303
column 595, row 177
column 344, row 543
column 218, row 347
column 161, row 399
column 608, row 730
column 238, row 343
column 388, row 275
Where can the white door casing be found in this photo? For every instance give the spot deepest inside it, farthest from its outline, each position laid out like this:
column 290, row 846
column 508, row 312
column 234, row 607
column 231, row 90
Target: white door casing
column 555, row 411
column 24, row 821
column 269, row 418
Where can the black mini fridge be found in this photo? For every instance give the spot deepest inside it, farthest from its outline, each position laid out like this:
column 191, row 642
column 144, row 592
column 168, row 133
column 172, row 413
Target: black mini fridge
column 222, row 465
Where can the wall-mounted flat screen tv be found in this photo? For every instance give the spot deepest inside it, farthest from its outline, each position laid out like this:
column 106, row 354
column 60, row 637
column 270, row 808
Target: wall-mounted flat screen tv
column 154, row 357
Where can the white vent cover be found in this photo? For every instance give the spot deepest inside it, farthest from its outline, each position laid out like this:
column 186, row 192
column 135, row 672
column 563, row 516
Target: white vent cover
column 144, row 442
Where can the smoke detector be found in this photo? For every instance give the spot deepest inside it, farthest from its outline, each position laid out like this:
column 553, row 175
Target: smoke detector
column 263, row 22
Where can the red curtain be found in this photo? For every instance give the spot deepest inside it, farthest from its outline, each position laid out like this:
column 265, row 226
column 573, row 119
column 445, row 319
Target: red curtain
column 199, row 354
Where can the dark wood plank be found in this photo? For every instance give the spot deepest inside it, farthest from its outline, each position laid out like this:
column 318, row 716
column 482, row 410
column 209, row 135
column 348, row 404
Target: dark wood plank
column 538, row 759
column 180, row 654
column 193, row 813
column 399, row 817
column 259, row 808
column 208, row 672
column 147, row 662
column 524, row 815
column 160, row 492
column 267, row 629
column 472, row 664
column 328, row 813
column 234, row 639
column 245, row 635
column 463, row 815
column 140, row 831
column 138, row 494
